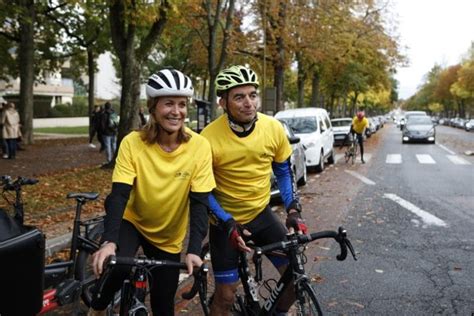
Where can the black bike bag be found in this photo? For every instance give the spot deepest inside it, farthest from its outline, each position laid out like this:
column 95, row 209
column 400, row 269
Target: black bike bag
column 22, row 273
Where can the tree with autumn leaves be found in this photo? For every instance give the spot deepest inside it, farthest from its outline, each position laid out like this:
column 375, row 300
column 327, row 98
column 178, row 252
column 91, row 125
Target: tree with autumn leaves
column 325, row 53
column 447, row 91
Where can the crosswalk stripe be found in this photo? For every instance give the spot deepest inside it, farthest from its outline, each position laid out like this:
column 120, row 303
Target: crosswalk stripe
column 394, row 159
column 425, row 159
column 458, row 160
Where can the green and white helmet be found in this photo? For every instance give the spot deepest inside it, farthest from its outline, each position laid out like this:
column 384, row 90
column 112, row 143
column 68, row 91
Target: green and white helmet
column 235, row 76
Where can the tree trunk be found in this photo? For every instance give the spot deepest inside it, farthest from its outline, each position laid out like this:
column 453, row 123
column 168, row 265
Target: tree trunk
column 27, row 73
column 300, row 82
column 91, row 90
column 315, row 89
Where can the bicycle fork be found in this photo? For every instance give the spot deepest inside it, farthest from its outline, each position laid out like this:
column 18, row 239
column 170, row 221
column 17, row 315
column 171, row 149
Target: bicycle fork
column 135, row 294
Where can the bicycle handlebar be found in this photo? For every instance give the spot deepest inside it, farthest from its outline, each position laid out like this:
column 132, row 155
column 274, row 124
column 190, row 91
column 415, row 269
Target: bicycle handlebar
column 340, row 236
column 13, row 185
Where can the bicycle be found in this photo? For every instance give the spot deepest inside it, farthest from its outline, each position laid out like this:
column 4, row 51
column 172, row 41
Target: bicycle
column 64, row 281
column 249, row 304
column 352, row 149
column 134, row 289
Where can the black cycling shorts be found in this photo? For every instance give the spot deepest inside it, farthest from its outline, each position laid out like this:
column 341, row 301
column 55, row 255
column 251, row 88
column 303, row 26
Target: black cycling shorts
column 266, row 228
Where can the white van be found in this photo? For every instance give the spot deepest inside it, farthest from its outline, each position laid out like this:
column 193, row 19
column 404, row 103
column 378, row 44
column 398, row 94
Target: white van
column 313, row 127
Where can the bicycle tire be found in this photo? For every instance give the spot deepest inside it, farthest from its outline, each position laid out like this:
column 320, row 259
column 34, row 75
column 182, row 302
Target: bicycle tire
column 84, row 271
column 307, row 303
column 356, row 150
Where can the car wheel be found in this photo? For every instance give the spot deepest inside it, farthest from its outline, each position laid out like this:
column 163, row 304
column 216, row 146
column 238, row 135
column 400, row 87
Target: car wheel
column 320, row 165
column 331, row 158
column 304, row 178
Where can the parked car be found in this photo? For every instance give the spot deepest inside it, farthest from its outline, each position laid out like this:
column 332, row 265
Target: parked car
column 340, row 128
column 469, row 126
column 298, row 162
column 371, row 129
column 314, row 128
column 419, row 128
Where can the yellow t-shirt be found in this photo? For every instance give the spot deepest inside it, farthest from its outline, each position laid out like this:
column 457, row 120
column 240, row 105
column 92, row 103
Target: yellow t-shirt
column 159, row 202
column 242, row 165
column 359, row 125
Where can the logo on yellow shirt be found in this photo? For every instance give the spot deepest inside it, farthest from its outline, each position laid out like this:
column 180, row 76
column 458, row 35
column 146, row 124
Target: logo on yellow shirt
column 182, row 175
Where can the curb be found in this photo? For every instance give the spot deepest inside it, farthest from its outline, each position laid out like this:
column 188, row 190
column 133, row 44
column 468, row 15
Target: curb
column 56, row 244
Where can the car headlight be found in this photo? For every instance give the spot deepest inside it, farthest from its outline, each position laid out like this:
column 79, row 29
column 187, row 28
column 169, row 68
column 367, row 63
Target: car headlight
column 430, row 132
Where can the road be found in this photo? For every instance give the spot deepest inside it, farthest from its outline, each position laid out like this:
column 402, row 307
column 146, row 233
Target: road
column 411, row 224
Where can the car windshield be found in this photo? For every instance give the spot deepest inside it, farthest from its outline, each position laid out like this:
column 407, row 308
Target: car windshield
column 340, row 123
column 302, row 125
column 419, row 120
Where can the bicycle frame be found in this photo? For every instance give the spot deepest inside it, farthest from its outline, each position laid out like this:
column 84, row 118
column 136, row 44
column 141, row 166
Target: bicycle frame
column 135, row 288
column 294, row 273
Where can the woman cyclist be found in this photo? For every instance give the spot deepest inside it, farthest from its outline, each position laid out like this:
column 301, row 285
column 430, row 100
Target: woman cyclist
column 161, row 181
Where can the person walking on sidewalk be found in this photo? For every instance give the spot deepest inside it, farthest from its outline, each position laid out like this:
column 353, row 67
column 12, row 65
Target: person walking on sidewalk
column 11, row 129
column 109, row 130
column 95, row 128
column 160, row 184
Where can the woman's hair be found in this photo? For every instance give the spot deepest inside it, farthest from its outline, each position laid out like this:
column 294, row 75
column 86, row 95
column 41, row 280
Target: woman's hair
column 150, row 131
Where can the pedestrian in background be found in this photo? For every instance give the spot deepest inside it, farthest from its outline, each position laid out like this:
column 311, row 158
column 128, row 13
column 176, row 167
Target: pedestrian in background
column 95, row 127
column 11, row 129
column 109, row 129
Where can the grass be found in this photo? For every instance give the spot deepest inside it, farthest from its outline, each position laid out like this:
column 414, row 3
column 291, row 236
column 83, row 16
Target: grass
column 72, row 130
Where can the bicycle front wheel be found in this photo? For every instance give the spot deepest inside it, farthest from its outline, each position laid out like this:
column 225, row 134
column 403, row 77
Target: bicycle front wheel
column 306, row 302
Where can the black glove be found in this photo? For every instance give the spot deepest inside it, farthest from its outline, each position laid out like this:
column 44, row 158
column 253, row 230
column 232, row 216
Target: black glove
column 234, row 231
column 294, row 220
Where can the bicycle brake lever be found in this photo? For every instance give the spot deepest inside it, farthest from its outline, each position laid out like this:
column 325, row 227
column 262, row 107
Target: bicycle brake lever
column 351, row 249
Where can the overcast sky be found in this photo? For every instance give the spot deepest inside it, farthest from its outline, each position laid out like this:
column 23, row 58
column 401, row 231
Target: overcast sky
column 434, row 31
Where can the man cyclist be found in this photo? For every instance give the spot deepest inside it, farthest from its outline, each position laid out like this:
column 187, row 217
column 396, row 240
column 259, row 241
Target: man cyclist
column 161, row 182
column 359, row 124
column 246, row 146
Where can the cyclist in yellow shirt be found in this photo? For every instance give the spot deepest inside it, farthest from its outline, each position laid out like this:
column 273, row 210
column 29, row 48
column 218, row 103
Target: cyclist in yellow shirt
column 246, row 146
column 161, row 182
column 359, row 124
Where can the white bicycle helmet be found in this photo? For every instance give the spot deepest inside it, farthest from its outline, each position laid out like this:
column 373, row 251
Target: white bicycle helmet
column 169, row 82
column 235, row 76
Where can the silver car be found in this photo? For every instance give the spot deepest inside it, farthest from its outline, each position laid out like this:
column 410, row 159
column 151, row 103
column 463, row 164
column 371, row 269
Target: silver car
column 297, row 161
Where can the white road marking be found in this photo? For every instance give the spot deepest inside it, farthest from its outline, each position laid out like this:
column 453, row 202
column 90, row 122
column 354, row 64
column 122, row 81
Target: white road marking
column 425, row 159
column 394, row 159
column 427, row 218
column 458, row 160
column 360, row 177
column 447, row 149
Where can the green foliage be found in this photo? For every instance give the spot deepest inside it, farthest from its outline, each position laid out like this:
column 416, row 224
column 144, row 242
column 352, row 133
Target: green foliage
column 70, row 130
column 79, row 107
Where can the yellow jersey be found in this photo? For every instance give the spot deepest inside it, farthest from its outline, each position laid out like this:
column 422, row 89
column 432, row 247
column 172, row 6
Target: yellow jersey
column 359, row 125
column 243, row 165
column 159, row 202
